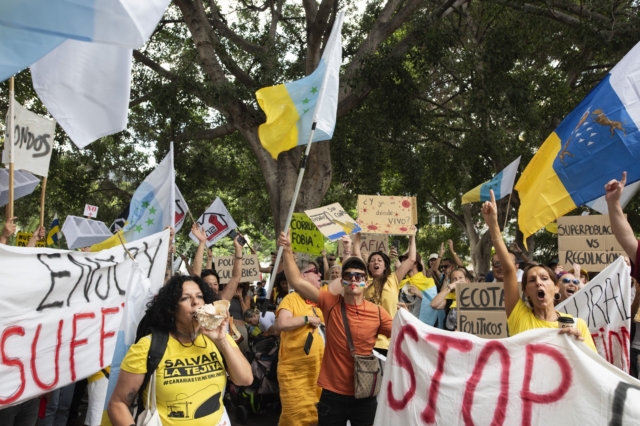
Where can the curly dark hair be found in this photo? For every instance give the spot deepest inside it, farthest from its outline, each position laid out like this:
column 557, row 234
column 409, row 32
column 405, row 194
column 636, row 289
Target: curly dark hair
column 161, row 310
column 208, row 272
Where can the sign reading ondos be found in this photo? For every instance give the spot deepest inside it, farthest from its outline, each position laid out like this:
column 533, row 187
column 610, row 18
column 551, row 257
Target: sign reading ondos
column 481, row 309
column 588, row 241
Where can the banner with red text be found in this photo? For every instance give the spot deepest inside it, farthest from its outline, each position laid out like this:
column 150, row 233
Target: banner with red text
column 60, row 311
column 435, row 377
column 605, row 305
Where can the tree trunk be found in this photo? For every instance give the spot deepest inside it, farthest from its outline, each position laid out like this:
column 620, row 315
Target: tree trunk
column 281, row 177
column 479, row 247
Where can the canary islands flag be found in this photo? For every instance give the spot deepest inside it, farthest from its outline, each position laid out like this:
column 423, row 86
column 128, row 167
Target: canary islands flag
column 54, row 233
column 594, row 144
column 502, row 185
column 292, row 108
column 152, row 207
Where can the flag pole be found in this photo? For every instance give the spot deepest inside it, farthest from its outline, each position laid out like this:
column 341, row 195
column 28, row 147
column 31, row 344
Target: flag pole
column 292, row 207
column 44, row 188
column 173, row 206
column 506, row 216
column 9, row 139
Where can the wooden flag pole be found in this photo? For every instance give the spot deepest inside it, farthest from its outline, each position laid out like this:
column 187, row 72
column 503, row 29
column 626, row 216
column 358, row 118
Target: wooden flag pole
column 9, row 212
column 44, row 189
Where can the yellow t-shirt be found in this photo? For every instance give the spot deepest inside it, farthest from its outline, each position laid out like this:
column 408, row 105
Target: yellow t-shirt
column 388, row 300
column 523, row 319
column 99, row 375
column 190, row 381
column 292, row 341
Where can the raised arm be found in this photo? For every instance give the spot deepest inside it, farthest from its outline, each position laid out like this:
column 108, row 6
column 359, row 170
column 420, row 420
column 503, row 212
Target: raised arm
column 36, row 236
column 511, row 294
column 209, row 264
column 408, row 263
column 197, row 259
column 453, row 253
column 236, row 273
column 185, row 259
column 355, row 247
column 8, row 230
column 440, row 301
column 294, row 278
column 325, row 265
column 619, row 224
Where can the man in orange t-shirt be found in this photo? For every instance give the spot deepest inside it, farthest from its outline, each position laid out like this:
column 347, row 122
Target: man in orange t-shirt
column 337, row 403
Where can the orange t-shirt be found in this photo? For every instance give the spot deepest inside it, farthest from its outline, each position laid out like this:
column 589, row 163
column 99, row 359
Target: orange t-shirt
column 336, row 373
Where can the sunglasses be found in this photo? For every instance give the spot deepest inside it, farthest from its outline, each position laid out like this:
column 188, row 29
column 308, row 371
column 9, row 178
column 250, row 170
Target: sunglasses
column 311, row 271
column 569, row 280
column 350, row 275
column 331, row 260
column 496, row 264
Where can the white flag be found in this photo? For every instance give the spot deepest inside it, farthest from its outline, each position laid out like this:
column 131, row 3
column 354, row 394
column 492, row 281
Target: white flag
column 216, row 221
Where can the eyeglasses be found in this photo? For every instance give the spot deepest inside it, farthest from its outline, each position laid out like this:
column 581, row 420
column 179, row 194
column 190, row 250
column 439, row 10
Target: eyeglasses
column 496, row 264
column 312, row 271
column 569, row 280
column 349, row 275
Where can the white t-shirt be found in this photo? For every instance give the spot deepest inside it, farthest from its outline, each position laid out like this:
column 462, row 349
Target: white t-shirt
column 267, row 321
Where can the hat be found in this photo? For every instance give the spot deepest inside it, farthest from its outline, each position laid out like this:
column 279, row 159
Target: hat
column 433, row 256
column 355, row 263
column 582, row 272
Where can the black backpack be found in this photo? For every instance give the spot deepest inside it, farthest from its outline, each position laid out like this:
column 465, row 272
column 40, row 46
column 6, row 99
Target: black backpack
column 159, row 340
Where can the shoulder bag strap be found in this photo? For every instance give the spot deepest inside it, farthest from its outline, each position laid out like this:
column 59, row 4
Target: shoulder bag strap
column 159, row 341
column 347, row 329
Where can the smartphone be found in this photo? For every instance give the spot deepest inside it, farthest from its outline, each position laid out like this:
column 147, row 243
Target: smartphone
column 396, row 244
column 307, row 344
column 233, row 234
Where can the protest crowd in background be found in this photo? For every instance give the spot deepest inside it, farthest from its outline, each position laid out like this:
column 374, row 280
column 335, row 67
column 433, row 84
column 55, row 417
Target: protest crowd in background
column 371, row 333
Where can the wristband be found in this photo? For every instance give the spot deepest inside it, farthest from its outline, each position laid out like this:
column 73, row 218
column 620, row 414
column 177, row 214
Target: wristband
column 306, row 320
column 238, row 257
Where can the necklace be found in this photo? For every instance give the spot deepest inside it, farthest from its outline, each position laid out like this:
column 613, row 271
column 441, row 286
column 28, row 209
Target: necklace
column 544, row 319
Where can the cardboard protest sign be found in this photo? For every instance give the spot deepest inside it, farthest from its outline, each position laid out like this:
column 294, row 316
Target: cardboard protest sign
column 370, row 243
column 333, row 221
column 305, row 236
column 605, row 305
column 250, row 268
column 90, row 211
column 588, row 241
column 32, row 137
column 22, row 239
column 387, row 215
column 217, row 222
column 435, row 377
column 481, row 309
column 61, row 310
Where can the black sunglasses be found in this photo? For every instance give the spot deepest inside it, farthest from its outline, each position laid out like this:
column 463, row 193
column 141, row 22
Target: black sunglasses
column 349, row 275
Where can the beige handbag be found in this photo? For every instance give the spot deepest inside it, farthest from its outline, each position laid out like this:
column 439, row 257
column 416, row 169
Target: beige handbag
column 367, row 375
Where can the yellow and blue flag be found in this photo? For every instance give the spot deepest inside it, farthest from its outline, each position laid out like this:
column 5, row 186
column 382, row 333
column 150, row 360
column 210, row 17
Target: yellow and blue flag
column 595, row 143
column 292, row 108
column 54, row 232
column 502, row 185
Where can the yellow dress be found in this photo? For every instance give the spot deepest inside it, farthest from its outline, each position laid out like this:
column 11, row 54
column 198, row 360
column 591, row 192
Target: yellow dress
column 297, row 371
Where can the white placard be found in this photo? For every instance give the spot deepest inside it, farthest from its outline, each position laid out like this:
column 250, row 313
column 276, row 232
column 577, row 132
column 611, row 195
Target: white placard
column 216, row 221
column 90, row 211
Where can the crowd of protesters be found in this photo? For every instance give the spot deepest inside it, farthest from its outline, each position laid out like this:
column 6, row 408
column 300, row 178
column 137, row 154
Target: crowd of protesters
column 325, row 314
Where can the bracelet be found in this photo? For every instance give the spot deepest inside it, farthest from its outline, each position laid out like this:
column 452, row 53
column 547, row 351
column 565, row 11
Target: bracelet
column 238, row 257
column 347, row 253
column 306, row 320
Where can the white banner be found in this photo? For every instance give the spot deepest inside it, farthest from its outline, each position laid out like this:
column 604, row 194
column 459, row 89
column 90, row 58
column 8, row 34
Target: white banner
column 605, row 305
column 216, row 221
column 32, row 138
column 435, row 377
column 60, row 312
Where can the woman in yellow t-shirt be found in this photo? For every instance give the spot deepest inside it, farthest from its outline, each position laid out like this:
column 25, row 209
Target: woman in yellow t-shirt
column 192, row 374
column 384, row 289
column 539, row 285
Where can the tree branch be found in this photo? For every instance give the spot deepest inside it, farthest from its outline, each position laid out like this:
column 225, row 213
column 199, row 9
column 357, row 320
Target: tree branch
column 150, row 63
column 220, row 25
column 218, row 132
